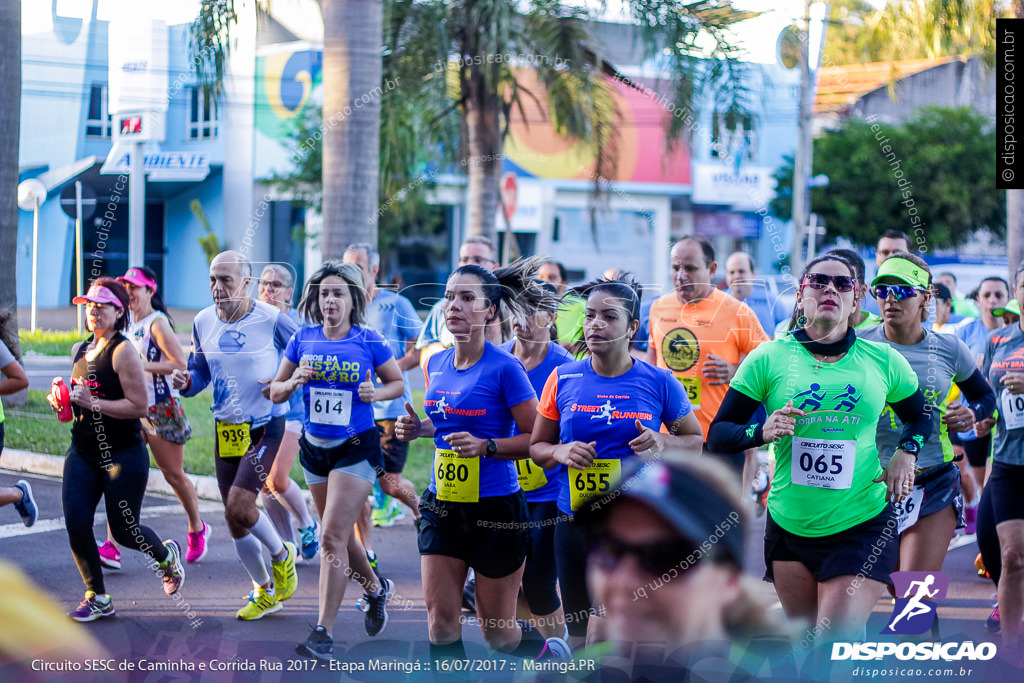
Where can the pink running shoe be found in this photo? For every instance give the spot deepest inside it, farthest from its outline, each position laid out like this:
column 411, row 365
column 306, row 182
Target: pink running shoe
column 970, row 520
column 197, row 544
column 110, row 556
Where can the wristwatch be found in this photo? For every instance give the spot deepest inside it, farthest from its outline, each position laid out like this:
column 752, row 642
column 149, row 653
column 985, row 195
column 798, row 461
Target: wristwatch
column 492, row 447
column 910, row 446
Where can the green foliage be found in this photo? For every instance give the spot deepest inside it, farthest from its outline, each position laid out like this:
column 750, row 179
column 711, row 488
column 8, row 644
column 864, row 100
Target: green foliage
column 935, row 172
column 209, row 242
column 49, row 342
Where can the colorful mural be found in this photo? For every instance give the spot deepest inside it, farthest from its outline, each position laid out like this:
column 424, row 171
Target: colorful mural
column 284, row 83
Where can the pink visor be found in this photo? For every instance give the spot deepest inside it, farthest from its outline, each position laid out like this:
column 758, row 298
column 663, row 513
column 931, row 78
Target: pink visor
column 98, row 294
column 137, row 278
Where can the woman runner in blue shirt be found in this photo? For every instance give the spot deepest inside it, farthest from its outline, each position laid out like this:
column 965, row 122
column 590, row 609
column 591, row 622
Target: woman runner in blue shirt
column 595, row 413
column 474, row 512
column 340, row 452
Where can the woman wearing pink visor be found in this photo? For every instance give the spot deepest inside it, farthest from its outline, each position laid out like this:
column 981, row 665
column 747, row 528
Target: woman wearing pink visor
column 165, row 427
column 107, row 457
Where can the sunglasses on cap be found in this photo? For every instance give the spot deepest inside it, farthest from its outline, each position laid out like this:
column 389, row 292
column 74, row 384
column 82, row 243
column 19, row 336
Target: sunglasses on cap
column 898, row 292
column 842, row 283
column 654, row 558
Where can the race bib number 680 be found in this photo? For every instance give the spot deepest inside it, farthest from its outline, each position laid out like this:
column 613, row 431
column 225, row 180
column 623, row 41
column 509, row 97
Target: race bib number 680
column 823, row 463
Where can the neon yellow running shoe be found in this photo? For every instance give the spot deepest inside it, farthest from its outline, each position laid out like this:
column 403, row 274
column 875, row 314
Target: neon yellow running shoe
column 259, row 604
column 285, row 579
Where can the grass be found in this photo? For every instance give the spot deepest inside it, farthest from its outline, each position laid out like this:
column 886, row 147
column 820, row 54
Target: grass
column 34, row 427
column 49, row 342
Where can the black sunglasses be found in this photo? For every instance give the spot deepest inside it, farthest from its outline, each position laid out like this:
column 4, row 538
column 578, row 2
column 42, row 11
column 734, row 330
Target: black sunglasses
column 654, row 558
column 899, row 292
column 842, row 283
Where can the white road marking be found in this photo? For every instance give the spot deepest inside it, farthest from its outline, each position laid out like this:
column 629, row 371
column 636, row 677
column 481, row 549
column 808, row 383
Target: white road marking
column 43, row 526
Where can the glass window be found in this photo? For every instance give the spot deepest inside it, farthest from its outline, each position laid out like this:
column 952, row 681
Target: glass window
column 98, row 124
column 202, row 115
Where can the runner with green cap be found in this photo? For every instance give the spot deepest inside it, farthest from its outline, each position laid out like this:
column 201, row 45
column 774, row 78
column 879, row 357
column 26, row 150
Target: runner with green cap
column 935, row 508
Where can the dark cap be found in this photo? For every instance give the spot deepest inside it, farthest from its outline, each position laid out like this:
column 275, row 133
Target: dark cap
column 942, row 292
column 687, row 499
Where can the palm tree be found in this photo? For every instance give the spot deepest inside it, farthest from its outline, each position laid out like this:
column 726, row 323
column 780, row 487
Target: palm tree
column 10, row 121
column 458, row 58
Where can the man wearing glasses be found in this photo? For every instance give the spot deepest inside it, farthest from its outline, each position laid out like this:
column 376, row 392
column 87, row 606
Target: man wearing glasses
column 701, row 333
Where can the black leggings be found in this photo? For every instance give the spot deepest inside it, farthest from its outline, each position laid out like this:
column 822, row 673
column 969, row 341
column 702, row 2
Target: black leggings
column 86, row 479
column 540, row 577
column 571, row 558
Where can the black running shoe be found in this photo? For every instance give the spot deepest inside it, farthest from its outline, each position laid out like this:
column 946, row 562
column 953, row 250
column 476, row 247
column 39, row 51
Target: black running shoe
column 376, row 618
column 319, row 645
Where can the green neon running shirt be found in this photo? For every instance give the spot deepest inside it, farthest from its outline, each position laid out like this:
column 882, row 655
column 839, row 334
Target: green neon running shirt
column 827, row 487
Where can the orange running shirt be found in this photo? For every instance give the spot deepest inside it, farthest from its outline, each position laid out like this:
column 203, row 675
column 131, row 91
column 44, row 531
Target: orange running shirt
column 682, row 336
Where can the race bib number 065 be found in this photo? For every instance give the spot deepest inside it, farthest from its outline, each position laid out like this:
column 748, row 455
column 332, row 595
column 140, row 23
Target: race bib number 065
column 823, row 463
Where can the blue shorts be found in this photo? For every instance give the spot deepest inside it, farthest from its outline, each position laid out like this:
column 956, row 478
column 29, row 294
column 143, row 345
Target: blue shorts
column 941, row 486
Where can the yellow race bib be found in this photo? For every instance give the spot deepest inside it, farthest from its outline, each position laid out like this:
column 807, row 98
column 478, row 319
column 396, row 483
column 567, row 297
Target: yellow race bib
column 233, row 441
column 531, row 475
column 456, row 479
column 692, row 387
column 596, row 480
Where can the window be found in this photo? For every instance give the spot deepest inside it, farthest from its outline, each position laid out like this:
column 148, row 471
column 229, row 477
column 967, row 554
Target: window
column 202, row 115
column 98, row 125
column 733, row 135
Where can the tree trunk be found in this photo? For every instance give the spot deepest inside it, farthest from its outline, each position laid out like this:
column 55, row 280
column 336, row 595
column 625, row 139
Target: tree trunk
column 1015, row 208
column 351, row 122
column 481, row 159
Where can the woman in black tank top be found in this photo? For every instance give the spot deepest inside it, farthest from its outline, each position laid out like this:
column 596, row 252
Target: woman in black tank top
column 108, row 396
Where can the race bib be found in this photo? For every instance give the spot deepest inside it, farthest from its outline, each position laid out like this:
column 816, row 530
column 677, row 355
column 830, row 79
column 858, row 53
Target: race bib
column 1011, row 406
column 233, row 441
column 596, row 480
column 330, row 406
column 909, row 509
column 692, row 387
column 823, row 463
column 456, row 479
column 531, row 475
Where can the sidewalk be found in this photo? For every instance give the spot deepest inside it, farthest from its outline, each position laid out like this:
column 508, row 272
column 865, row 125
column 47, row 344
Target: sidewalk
column 66, row 318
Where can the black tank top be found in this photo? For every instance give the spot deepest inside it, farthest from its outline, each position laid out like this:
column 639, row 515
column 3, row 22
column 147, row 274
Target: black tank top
column 92, row 432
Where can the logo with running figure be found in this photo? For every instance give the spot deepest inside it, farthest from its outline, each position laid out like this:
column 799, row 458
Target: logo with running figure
column 441, row 406
column 605, row 412
column 680, row 349
column 914, row 613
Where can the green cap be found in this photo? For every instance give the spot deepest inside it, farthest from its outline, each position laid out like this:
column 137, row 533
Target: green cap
column 1012, row 306
column 904, row 270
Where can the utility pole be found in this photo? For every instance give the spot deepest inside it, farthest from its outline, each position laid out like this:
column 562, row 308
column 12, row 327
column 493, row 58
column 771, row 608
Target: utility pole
column 802, row 161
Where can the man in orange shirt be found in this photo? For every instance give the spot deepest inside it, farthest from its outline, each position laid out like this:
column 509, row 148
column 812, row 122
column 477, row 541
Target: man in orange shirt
column 700, row 333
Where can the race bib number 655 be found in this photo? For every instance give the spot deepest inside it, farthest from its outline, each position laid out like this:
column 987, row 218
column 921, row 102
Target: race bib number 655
column 823, row 463
column 596, row 480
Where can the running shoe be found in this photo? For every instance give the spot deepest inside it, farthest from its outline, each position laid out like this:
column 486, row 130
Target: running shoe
column 371, row 557
column 555, row 648
column 26, row 507
column 389, row 514
column 469, row 594
column 259, row 604
column 309, row 539
column 980, row 566
column 319, row 645
column 376, row 618
column 110, row 556
column 970, row 520
column 92, row 608
column 992, row 624
column 174, row 573
column 197, row 544
column 285, row 579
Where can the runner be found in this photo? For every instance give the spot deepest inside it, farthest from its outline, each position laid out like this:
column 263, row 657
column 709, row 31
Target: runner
column 962, row 306
column 282, row 498
column 827, row 512
column 14, row 380
column 569, row 320
column 701, row 334
column 888, row 244
column 393, row 316
column 993, row 293
column 743, row 286
column 107, row 457
column 535, row 347
column 334, row 364
column 1002, row 495
column 236, row 343
column 928, row 518
column 474, row 512
column 165, row 429
column 597, row 412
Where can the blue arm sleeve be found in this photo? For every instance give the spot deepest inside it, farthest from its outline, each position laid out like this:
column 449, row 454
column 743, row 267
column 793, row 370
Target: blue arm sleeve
column 197, row 367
